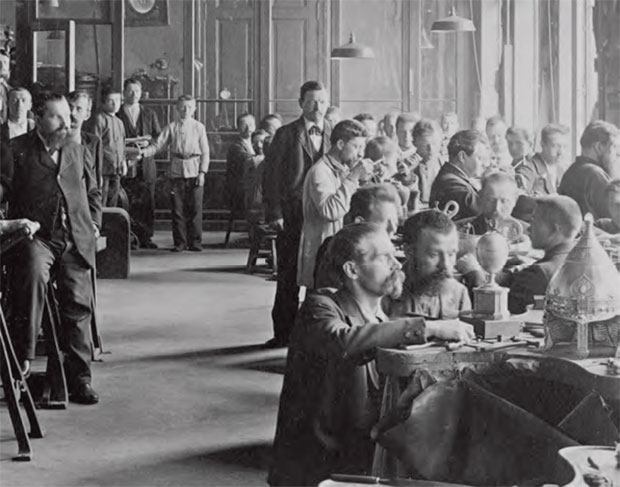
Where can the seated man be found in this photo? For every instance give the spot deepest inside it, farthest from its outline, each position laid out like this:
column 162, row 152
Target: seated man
column 385, row 153
column 457, row 179
column 498, row 197
column 427, row 140
column 373, row 203
column 430, row 290
column 608, row 227
column 330, row 397
column 520, row 144
column 369, row 122
column 556, row 223
column 67, row 205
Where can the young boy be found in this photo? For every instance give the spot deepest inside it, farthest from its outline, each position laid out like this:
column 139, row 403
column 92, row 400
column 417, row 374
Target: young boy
column 189, row 162
column 404, row 134
column 406, row 182
column 109, row 128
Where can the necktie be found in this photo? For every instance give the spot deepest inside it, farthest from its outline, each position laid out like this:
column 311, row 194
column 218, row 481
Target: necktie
column 314, row 130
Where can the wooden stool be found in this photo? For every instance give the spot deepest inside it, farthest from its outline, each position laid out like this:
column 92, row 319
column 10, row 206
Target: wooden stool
column 263, row 244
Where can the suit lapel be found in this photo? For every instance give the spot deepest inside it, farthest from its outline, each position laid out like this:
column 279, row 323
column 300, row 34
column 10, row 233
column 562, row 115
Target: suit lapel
column 43, row 156
column 304, row 138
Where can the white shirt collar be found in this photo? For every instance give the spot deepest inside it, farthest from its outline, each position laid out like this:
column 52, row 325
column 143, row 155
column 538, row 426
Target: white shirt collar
column 309, row 124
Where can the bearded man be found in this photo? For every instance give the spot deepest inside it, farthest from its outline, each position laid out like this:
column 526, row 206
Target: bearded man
column 51, row 181
column 430, row 289
column 331, row 398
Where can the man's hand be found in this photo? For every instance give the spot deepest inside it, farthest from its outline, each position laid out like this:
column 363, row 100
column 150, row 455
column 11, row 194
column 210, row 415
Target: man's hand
column 200, row 180
column 362, row 170
column 450, row 330
column 124, row 168
column 23, row 224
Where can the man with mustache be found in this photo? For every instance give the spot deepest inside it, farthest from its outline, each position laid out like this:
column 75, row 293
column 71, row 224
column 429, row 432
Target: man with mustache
column 51, row 181
column 330, row 398
column 430, row 290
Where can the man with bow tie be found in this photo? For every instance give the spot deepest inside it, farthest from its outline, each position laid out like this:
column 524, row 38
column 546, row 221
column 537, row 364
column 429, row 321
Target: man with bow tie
column 295, row 148
column 50, row 180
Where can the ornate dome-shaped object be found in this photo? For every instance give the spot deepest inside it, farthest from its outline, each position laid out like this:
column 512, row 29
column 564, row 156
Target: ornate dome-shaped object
column 585, row 289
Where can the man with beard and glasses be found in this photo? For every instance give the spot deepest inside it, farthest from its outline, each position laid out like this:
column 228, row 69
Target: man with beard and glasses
column 430, row 290
column 586, row 179
column 52, row 182
column 331, row 398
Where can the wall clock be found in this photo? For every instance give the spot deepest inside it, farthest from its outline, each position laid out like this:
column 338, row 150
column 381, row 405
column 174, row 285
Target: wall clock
column 141, row 13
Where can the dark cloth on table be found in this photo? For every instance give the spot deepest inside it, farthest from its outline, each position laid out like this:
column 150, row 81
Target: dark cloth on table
column 452, row 184
column 66, row 201
column 186, row 199
column 329, row 399
column 533, row 280
column 585, row 181
column 287, row 162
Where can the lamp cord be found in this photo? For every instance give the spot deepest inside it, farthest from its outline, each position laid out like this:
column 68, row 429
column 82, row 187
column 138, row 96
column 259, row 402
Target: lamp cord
column 551, row 77
column 478, row 76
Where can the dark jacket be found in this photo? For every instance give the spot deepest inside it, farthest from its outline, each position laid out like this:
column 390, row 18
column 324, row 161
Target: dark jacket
column 93, row 144
column 146, row 124
column 452, row 184
column 238, row 161
column 325, row 412
column 533, row 280
column 37, row 187
column 287, row 161
column 585, row 181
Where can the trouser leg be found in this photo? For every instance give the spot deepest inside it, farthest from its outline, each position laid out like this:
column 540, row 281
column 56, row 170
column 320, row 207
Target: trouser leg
column 287, row 291
column 179, row 234
column 148, row 214
column 105, row 190
column 113, row 190
column 29, row 276
column 74, row 299
column 193, row 208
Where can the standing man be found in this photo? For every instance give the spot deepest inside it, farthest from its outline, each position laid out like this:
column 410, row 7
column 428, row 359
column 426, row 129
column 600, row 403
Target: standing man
column 458, row 179
column 587, row 178
column 52, row 183
column 141, row 122
column 18, row 123
column 80, row 104
column 542, row 173
column 295, row 147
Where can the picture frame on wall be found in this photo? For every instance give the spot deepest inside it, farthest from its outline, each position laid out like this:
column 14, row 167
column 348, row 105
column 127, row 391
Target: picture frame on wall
column 142, row 13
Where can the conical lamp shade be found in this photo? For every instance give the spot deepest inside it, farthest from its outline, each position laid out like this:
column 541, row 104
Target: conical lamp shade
column 352, row 49
column 453, row 23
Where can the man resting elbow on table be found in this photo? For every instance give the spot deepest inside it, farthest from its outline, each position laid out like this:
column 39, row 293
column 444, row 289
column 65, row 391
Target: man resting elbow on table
column 331, row 398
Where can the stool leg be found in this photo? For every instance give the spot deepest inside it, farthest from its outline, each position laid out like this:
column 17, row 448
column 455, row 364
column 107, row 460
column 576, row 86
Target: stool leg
column 57, row 396
column 274, row 259
column 9, row 369
column 229, row 229
column 252, row 255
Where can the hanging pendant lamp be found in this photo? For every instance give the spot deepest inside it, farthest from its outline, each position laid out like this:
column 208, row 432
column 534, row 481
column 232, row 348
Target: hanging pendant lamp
column 453, row 23
column 352, row 49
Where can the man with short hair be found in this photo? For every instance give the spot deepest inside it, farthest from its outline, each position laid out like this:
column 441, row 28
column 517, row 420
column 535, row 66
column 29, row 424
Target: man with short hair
column 372, row 203
column 496, row 134
column 430, row 290
column 387, row 125
column 542, row 173
column 586, row 179
column 457, row 179
column 80, row 104
column 497, row 199
column 556, row 223
column 295, row 148
column 331, row 393
column 520, row 144
column 140, row 123
column 369, row 122
column 18, row 123
column 328, row 188
column 51, row 183
column 427, row 140
column 405, row 122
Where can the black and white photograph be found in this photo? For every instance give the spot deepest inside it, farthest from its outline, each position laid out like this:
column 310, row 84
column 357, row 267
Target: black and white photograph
column 333, row 243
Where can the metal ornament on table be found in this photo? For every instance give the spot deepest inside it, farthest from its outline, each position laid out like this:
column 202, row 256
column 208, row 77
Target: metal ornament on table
column 585, row 289
column 491, row 300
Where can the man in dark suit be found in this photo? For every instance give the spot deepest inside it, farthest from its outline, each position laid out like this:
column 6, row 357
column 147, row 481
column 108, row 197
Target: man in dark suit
column 80, row 104
column 140, row 122
column 456, row 181
column 52, row 183
column 586, row 179
column 331, row 397
column 295, row 147
column 556, row 222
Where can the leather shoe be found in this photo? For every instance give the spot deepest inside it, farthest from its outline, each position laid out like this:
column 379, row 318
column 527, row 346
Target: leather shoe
column 195, row 248
column 84, row 394
column 149, row 244
column 178, row 248
column 25, row 367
